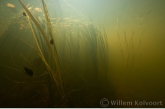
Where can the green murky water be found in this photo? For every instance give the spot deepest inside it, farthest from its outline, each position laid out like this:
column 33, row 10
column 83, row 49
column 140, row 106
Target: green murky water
column 111, row 49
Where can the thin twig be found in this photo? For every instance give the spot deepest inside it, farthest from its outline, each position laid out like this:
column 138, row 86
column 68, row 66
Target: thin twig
column 11, row 68
column 38, row 91
column 13, row 59
column 14, row 80
column 26, row 59
column 26, row 43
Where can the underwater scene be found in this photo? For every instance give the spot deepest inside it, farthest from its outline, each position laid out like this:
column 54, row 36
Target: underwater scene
column 82, row 53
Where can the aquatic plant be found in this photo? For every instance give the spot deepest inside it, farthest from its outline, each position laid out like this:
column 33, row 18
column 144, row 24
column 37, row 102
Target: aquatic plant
column 55, row 74
column 74, row 53
column 129, row 49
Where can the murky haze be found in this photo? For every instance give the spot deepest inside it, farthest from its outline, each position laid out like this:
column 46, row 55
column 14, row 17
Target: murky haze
column 133, row 65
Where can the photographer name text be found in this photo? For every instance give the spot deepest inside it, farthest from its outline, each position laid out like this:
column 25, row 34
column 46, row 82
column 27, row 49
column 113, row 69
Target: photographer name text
column 136, row 102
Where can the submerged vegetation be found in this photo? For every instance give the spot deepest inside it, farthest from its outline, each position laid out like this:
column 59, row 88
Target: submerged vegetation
column 81, row 53
column 69, row 57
